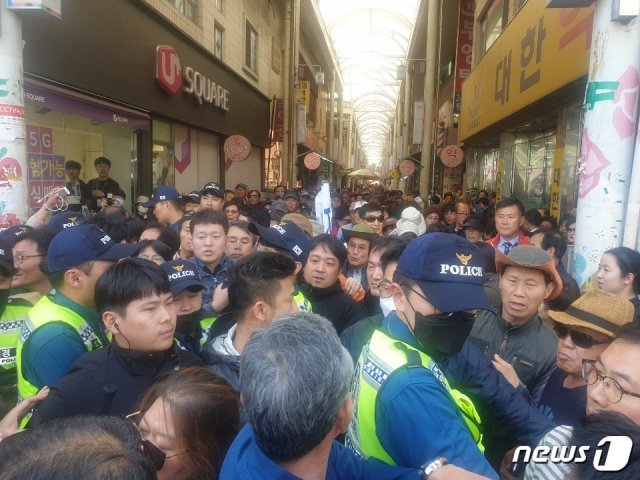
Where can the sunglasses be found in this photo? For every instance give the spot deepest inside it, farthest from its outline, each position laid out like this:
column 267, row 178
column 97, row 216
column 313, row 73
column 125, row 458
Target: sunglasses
column 579, row 339
column 155, row 454
column 373, row 218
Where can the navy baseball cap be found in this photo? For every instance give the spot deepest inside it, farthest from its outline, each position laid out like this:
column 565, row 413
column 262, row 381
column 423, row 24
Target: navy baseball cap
column 214, row 189
column 63, row 220
column 285, row 236
column 192, row 197
column 12, row 234
column 291, row 194
column 160, row 194
column 6, row 257
column 449, row 270
column 75, row 246
column 182, row 276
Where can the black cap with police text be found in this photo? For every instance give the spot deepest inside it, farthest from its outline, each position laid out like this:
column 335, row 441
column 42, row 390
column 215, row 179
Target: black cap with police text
column 75, row 246
column 183, row 275
column 6, row 258
column 448, row 269
column 63, row 220
column 161, row 194
column 214, row 189
column 12, row 234
column 192, row 197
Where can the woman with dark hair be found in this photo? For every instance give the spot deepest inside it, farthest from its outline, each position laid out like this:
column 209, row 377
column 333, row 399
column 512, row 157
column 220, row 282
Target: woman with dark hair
column 155, row 250
column 619, row 273
column 188, row 421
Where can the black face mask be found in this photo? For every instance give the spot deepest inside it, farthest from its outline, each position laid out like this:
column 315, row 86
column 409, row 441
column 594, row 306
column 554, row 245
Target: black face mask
column 442, row 335
column 189, row 322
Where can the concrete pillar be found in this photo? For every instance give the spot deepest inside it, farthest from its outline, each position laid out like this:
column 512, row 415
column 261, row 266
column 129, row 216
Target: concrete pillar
column 340, row 155
column 332, row 90
column 608, row 140
column 288, row 97
column 408, row 89
column 348, row 161
column 13, row 147
column 429, row 93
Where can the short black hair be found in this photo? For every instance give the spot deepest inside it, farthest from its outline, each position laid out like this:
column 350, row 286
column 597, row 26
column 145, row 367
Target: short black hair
column 392, row 254
column 101, row 161
column 554, row 238
column 177, row 204
column 629, row 333
column 129, row 280
column 112, row 224
column 451, row 207
column 628, row 261
column 533, row 216
column 234, row 201
column 256, row 277
column 170, row 238
column 135, row 227
column 256, row 214
column 510, row 202
column 332, row 244
column 71, row 447
column 72, row 165
column 369, row 207
column 209, row 217
column 161, row 248
column 41, row 237
column 550, row 219
column 386, row 242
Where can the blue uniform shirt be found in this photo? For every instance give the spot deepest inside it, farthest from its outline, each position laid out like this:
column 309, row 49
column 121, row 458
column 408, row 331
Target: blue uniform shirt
column 417, row 419
column 51, row 349
column 245, row 460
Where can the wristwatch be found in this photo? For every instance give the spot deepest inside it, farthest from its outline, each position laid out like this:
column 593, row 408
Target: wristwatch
column 428, row 468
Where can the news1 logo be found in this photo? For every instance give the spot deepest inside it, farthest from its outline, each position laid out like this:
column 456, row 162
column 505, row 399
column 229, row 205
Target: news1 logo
column 611, row 455
column 168, row 69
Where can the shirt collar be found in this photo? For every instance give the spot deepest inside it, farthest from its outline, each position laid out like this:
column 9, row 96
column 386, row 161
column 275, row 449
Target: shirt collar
column 393, row 326
column 87, row 314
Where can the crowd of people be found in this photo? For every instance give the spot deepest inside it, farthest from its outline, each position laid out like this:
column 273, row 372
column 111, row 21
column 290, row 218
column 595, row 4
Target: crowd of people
column 229, row 334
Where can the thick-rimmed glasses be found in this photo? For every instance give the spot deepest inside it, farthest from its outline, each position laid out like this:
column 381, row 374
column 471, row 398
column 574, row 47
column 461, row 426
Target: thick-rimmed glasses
column 612, row 389
column 155, row 454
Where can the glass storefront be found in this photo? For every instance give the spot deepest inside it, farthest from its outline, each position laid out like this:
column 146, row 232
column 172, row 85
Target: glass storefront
column 533, row 167
column 63, row 125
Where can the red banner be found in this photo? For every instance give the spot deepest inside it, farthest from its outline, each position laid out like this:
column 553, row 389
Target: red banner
column 464, row 50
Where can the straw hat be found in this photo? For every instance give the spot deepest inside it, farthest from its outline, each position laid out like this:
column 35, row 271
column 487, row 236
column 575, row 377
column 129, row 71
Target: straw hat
column 597, row 310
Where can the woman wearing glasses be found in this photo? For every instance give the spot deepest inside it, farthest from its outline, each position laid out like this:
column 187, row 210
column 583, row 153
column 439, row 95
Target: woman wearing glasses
column 188, row 421
column 584, row 331
column 254, row 197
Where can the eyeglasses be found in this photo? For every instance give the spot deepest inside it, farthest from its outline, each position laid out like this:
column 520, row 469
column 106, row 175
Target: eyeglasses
column 254, row 195
column 18, row 259
column 373, row 218
column 154, row 453
column 465, row 214
column 385, row 288
column 579, row 339
column 612, row 389
column 153, row 258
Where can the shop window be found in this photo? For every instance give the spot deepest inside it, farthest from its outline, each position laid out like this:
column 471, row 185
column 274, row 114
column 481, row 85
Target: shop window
column 491, row 25
column 251, row 48
column 163, row 154
column 220, row 5
column 188, row 8
column 533, row 169
column 218, row 40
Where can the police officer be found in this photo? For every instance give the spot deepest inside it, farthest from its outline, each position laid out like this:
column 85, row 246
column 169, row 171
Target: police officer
column 65, row 324
column 405, row 409
column 192, row 325
column 12, row 315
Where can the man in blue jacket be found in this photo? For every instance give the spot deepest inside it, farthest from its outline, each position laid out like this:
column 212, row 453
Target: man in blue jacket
column 295, row 385
column 405, row 409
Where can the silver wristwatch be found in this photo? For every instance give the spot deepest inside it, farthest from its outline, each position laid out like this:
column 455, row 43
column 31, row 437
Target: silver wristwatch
column 428, row 468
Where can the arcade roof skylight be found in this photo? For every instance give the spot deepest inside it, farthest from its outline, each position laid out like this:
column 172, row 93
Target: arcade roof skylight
column 371, row 38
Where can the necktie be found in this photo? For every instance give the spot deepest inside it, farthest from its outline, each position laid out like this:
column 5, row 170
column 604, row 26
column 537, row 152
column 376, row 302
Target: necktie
column 506, row 246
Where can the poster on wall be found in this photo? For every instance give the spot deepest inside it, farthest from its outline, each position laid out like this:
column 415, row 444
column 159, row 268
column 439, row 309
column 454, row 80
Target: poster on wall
column 45, row 170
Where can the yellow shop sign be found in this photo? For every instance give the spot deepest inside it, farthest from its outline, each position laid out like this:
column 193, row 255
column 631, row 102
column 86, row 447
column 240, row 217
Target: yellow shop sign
column 540, row 51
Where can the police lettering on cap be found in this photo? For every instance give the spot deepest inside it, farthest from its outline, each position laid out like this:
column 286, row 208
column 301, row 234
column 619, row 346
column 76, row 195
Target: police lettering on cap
column 75, row 246
column 63, row 220
column 182, row 275
column 449, row 271
column 161, row 194
column 12, row 234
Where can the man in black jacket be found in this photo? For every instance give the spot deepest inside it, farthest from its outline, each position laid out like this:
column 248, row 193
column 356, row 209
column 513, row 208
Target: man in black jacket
column 135, row 302
column 322, row 287
column 261, row 288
